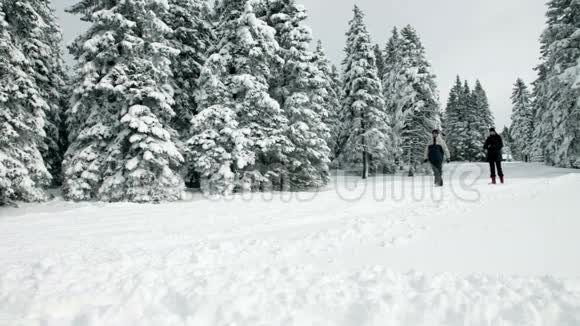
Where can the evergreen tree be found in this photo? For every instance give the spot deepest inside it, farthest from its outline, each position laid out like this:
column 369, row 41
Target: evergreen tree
column 393, row 88
column 192, row 34
column 22, row 115
column 456, row 126
column 219, row 148
column 54, row 86
column 522, row 128
column 475, row 121
column 391, row 71
column 236, row 77
column 559, row 122
column 121, row 143
column 482, row 106
column 365, row 122
column 467, row 121
column 539, row 106
column 466, row 104
column 380, row 56
column 336, row 127
column 508, row 142
column 332, row 98
column 416, row 99
column 484, row 119
column 302, row 91
column 40, row 38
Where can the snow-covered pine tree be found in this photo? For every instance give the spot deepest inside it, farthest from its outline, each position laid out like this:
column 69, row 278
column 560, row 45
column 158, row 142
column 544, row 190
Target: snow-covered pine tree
column 541, row 130
column 337, row 126
column 416, row 98
column 301, row 88
column 365, row 122
column 56, row 89
column 121, row 146
column 475, row 121
column 22, row 171
column 192, row 34
column 560, row 119
column 455, row 122
column 393, row 87
column 332, row 98
column 482, row 105
column 522, row 128
column 39, row 38
column 467, row 121
column 380, row 55
column 508, row 143
column 484, row 119
column 391, row 70
column 236, row 77
column 219, row 149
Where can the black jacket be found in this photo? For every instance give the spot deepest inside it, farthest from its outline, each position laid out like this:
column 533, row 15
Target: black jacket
column 494, row 146
column 437, row 151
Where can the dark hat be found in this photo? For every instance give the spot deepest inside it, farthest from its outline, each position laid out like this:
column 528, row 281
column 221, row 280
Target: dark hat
column 491, row 129
column 435, row 131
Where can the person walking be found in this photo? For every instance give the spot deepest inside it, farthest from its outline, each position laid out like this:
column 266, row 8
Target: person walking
column 435, row 153
column 494, row 146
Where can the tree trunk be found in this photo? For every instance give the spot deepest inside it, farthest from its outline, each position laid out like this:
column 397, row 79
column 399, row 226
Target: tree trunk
column 411, row 170
column 365, row 173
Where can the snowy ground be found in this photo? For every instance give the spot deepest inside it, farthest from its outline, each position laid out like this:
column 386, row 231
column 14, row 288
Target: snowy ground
column 389, row 251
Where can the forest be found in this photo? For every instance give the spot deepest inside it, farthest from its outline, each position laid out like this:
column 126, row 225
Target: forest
column 237, row 96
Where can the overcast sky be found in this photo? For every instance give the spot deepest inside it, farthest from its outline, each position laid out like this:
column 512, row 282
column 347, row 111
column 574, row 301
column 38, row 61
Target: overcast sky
column 493, row 40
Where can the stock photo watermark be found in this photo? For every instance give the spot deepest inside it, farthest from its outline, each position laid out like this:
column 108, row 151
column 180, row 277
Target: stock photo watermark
column 346, row 184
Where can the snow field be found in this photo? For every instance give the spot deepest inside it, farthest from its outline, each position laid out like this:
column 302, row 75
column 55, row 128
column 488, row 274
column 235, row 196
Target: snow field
column 507, row 257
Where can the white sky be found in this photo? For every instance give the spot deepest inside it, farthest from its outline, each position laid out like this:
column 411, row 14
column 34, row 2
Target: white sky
column 493, row 40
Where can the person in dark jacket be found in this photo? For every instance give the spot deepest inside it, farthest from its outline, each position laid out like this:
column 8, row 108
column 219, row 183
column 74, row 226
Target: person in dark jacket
column 494, row 146
column 435, row 153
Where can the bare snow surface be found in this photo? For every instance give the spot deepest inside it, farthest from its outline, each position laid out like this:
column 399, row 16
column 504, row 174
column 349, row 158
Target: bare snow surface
column 388, row 251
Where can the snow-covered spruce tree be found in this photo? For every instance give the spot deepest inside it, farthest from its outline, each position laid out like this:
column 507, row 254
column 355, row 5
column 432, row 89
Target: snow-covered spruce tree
column 22, row 171
column 484, row 119
column 301, row 88
column 192, row 34
column 416, row 99
column 336, row 128
column 508, row 142
column 391, row 71
column 522, row 121
column 475, row 121
column 236, row 77
column 467, row 121
column 541, row 130
column 487, row 120
column 55, row 87
column 121, row 146
column 39, row 38
column 365, row 122
column 560, row 120
column 393, row 87
column 332, row 98
column 456, row 126
column 380, row 56
column 219, row 146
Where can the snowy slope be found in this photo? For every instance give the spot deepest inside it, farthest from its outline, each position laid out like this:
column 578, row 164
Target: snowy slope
column 389, row 251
